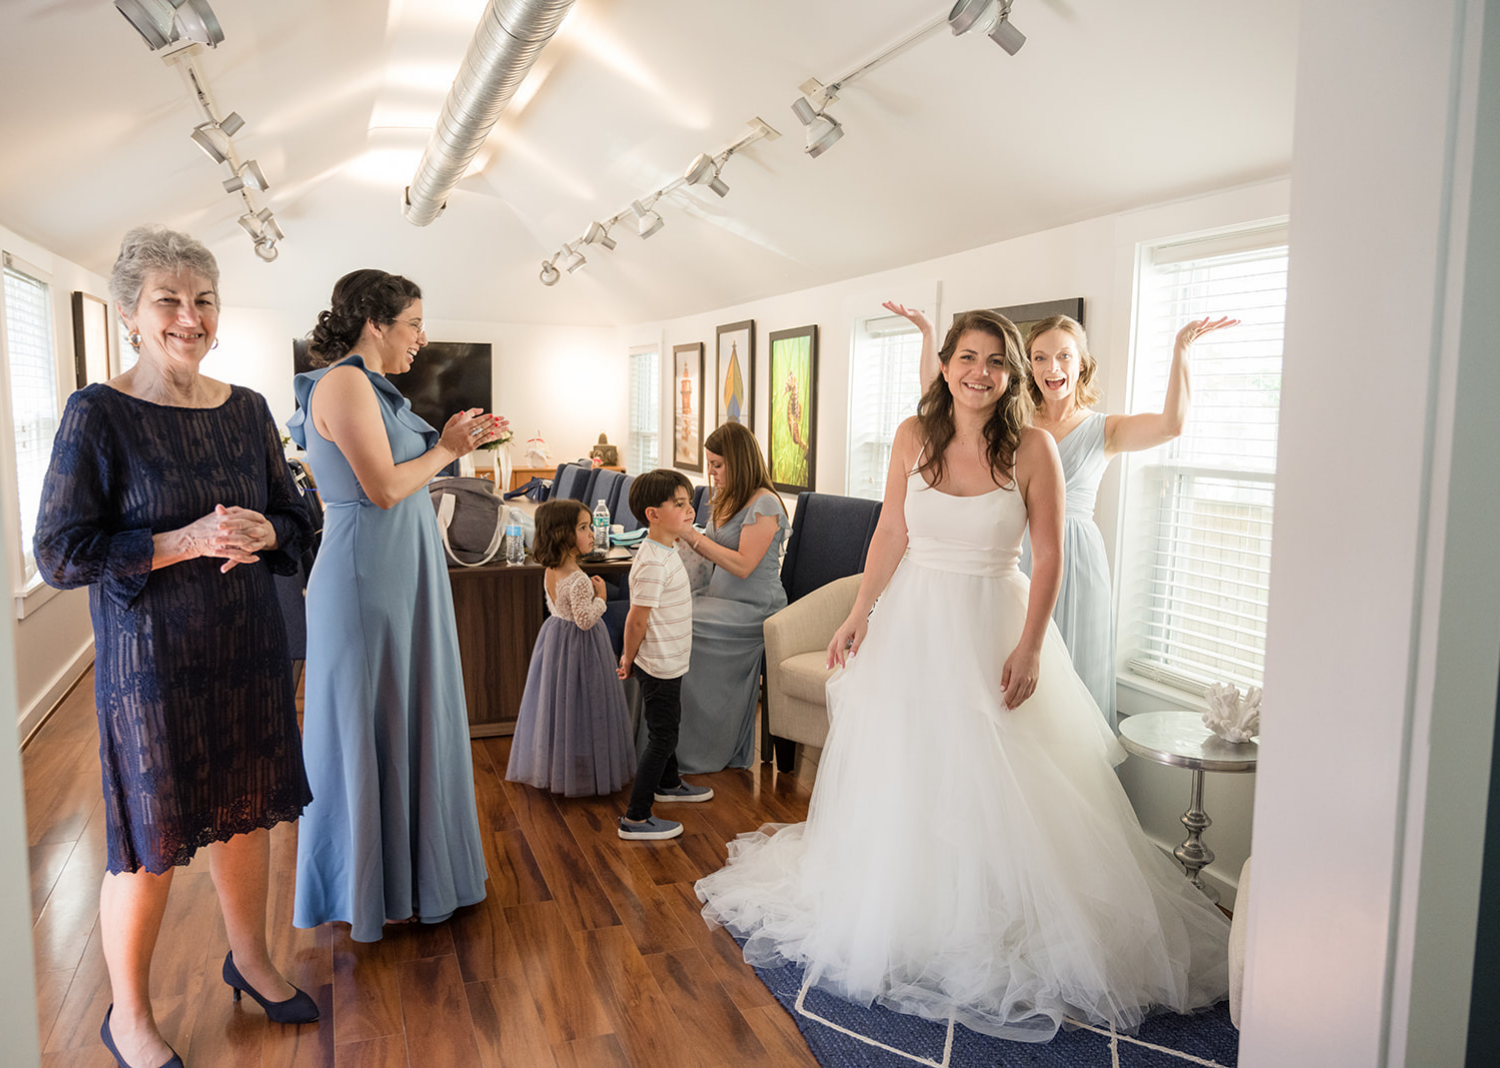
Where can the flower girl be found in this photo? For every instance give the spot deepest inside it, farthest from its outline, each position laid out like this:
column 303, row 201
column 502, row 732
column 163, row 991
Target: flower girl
column 573, row 733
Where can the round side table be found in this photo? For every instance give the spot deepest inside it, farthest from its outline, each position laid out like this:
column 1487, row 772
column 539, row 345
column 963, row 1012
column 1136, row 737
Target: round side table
column 1181, row 740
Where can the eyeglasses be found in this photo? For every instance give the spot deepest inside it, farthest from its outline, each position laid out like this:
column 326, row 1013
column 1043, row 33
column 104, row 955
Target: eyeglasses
column 415, row 324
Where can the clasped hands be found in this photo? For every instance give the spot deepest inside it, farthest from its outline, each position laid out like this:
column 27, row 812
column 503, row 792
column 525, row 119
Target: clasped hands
column 233, row 534
column 467, row 430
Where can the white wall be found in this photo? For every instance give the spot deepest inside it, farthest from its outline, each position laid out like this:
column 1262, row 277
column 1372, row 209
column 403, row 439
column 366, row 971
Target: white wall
column 1093, row 259
column 1384, row 632
column 569, row 382
column 54, row 641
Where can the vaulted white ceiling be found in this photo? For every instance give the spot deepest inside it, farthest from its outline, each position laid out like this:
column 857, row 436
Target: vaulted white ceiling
column 951, row 145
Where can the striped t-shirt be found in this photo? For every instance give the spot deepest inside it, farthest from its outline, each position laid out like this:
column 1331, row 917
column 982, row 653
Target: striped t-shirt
column 658, row 581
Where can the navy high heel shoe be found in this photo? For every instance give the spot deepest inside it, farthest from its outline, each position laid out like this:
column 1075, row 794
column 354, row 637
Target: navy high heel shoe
column 297, row 1009
column 109, row 1043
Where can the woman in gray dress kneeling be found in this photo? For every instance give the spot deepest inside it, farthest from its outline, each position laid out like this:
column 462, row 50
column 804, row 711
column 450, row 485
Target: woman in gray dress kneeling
column 745, row 533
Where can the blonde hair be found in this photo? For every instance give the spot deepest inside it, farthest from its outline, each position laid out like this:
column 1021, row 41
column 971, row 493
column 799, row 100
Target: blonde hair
column 1085, row 393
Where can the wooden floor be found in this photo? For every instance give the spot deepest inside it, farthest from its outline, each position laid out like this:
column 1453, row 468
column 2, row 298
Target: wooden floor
column 587, row 951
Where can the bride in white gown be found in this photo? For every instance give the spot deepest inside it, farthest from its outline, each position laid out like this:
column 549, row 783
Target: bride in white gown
column 969, row 852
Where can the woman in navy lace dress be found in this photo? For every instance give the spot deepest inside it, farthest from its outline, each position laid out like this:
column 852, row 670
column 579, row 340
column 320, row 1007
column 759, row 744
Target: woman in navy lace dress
column 169, row 498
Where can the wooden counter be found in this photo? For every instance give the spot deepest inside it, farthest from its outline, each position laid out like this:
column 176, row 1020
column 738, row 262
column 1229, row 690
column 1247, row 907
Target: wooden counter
column 500, row 611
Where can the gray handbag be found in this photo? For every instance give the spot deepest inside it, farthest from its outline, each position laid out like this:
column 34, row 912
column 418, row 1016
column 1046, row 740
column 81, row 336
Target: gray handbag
column 470, row 518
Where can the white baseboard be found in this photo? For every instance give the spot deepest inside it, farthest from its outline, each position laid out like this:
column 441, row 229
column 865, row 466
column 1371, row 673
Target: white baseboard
column 61, row 683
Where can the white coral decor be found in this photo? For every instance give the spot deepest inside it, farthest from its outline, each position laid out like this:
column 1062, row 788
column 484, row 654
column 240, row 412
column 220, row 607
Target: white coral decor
column 1231, row 716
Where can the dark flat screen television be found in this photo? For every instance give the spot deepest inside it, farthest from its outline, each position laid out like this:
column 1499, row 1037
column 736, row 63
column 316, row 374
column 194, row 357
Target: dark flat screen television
column 446, row 377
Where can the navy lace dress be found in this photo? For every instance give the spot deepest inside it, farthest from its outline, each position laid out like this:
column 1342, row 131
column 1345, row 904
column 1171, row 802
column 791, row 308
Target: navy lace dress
column 198, row 733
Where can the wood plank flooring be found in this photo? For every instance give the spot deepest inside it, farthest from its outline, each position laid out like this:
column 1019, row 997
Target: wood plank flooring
column 588, row 951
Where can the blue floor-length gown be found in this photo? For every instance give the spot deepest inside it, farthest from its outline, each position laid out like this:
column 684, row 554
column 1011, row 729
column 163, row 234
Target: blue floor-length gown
column 393, row 831
column 722, row 686
column 1084, row 613
column 197, row 716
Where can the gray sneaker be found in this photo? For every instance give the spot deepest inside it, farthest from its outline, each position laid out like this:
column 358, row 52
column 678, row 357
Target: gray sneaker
column 684, row 791
column 650, row 829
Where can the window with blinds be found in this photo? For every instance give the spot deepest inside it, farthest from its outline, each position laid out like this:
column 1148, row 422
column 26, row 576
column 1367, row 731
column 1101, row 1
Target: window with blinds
column 1198, row 526
column 33, row 392
column 645, row 410
column 884, row 391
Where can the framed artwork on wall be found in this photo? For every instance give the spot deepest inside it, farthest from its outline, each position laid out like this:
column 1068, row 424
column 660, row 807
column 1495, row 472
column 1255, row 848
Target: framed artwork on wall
column 734, row 374
column 794, row 407
column 687, row 406
column 90, row 338
column 1025, row 316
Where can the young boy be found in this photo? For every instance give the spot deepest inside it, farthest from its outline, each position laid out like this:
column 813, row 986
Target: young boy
column 658, row 641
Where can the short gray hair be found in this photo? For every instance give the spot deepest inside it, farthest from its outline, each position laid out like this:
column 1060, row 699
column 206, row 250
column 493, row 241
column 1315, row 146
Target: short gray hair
column 156, row 248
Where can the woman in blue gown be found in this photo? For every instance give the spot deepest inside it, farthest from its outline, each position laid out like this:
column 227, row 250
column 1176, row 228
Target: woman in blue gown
column 1060, row 378
column 743, row 545
column 393, row 832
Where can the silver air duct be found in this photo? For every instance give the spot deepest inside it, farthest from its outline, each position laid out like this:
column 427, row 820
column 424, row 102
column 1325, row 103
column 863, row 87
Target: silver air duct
column 510, row 36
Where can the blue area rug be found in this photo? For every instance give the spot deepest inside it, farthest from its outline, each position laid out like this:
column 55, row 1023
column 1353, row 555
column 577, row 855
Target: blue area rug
column 1165, row 1041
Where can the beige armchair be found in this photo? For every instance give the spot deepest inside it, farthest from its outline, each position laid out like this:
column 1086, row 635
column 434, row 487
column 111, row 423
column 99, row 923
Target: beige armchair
column 796, row 651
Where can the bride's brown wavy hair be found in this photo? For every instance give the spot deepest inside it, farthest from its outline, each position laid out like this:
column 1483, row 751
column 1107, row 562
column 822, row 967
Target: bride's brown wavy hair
column 1012, row 414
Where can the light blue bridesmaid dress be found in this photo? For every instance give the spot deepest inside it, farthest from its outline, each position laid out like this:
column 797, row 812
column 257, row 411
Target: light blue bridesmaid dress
column 1084, row 605
column 392, row 831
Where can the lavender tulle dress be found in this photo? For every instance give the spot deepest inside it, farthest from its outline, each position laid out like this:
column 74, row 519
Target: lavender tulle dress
column 573, row 733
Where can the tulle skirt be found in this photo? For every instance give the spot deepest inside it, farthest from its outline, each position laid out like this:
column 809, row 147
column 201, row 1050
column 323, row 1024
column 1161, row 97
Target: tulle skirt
column 573, row 731
column 964, row 860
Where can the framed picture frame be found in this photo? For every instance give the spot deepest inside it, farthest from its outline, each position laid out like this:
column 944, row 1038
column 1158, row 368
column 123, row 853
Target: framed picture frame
column 687, row 406
column 734, row 374
column 91, row 337
column 793, row 433
column 1025, row 316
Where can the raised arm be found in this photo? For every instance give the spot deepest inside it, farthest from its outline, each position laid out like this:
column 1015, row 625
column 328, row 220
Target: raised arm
column 755, row 539
column 887, row 546
column 1132, row 433
column 1039, row 479
column 345, row 410
column 928, row 367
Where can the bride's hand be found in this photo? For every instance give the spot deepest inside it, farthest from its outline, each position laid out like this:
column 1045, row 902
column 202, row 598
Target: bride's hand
column 1018, row 678
column 847, row 639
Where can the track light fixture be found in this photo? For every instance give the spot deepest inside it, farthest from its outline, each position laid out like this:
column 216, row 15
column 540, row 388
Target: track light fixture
column 246, row 174
column 647, row 222
column 207, row 141
column 823, row 130
column 991, row 17
column 163, row 22
column 598, row 234
column 704, row 170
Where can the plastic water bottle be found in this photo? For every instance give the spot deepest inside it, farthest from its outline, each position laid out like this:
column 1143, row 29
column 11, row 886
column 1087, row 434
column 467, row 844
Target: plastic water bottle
column 514, row 543
column 601, row 527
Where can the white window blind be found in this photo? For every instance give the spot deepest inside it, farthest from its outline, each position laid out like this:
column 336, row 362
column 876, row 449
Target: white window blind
column 645, row 410
column 1198, row 531
column 884, row 391
column 33, row 393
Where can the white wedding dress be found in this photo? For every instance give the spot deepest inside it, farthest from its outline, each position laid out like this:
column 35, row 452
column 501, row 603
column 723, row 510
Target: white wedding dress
column 961, row 859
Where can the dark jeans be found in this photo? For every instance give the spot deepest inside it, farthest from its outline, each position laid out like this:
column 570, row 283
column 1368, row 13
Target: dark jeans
column 661, row 706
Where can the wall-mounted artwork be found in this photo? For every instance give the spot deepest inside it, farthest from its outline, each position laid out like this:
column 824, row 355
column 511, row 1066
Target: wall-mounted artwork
column 734, row 377
column 445, row 378
column 687, row 406
column 1025, row 316
column 794, row 407
column 90, row 338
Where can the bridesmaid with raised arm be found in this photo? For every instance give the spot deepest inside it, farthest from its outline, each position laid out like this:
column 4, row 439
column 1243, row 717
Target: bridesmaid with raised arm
column 1060, row 378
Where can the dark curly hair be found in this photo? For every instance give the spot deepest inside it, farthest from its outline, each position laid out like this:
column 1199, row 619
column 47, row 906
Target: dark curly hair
column 555, row 540
column 362, row 296
column 1002, row 431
